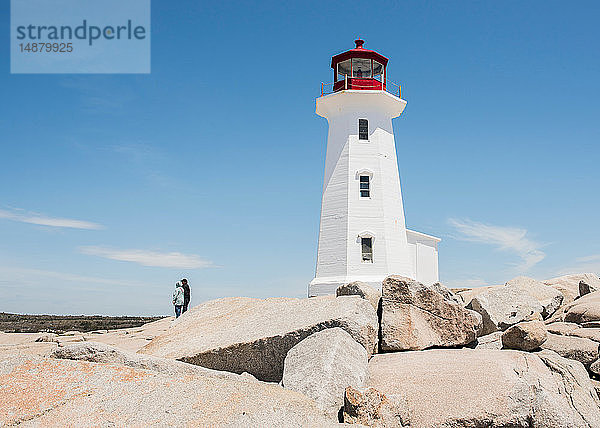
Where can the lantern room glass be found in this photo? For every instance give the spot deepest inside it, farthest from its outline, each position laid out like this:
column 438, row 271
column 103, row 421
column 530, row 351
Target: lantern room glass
column 377, row 69
column 343, row 69
column 361, row 68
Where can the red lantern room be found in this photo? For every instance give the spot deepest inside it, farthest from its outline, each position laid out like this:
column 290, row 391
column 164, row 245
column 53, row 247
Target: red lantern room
column 359, row 69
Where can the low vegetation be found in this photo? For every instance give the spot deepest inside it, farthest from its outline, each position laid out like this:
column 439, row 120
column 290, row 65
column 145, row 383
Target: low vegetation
column 16, row 323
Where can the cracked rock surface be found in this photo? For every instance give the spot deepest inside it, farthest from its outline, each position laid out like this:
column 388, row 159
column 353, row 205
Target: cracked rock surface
column 415, row 317
column 575, row 285
column 575, row 348
column 45, row 392
column 502, row 307
column 102, row 353
column 547, row 296
column 481, row 388
column 576, row 386
column 323, row 365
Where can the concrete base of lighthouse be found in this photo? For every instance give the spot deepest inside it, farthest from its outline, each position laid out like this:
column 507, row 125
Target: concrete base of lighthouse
column 423, row 252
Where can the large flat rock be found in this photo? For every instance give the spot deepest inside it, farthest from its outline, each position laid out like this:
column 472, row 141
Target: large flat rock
column 241, row 334
column 575, row 348
column 131, row 339
column 468, row 294
column 588, row 333
column 56, row 393
column 549, row 298
column 573, row 382
column 414, row 316
column 11, row 346
column 101, row 353
column 575, row 285
column 584, row 310
column 563, row 328
column 477, row 388
column 502, row 307
column 323, row 365
column 518, row 300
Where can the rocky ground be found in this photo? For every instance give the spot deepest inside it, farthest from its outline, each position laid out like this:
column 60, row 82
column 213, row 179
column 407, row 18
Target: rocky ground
column 522, row 354
column 42, row 344
column 17, row 323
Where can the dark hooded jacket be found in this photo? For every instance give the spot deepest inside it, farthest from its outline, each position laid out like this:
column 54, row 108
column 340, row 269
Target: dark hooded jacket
column 186, row 294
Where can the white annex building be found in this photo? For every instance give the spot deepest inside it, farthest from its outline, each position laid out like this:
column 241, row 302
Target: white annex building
column 363, row 235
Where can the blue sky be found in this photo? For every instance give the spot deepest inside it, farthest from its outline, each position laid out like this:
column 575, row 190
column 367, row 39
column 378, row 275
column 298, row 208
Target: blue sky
column 211, row 167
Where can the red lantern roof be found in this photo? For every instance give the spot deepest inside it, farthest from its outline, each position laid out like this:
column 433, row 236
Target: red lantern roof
column 358, row 52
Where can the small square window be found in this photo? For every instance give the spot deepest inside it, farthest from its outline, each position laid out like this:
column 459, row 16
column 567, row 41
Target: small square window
column 363, row 129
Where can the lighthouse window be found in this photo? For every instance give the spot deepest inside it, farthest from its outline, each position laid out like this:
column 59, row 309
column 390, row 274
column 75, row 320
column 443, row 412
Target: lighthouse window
column 365, row 186
column 361, row 68
column 367, row 249
column 363, row 129
column 343, row 69
column 377, row 68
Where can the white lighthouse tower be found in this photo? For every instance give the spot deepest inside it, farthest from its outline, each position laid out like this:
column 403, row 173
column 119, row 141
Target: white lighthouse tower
column 363, row 235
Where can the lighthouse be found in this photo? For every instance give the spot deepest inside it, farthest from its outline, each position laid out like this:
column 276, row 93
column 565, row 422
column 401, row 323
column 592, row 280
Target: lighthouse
column 362, row 233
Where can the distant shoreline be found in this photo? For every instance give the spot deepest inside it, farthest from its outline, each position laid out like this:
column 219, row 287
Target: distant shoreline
column 18, row 323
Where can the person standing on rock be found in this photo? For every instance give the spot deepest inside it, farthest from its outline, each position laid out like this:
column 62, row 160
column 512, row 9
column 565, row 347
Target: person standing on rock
column 186, row 294
column 178, row 299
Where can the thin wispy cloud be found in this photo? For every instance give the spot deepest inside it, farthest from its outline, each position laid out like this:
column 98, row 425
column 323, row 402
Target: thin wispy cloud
column 149, row 258
column 590, row 264
column 510, row 239
column 30, row 276
column 43, row 220
column 588, row 259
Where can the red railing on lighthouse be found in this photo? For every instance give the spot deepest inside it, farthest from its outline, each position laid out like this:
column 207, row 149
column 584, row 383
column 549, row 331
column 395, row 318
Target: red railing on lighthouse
column 390, row 87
